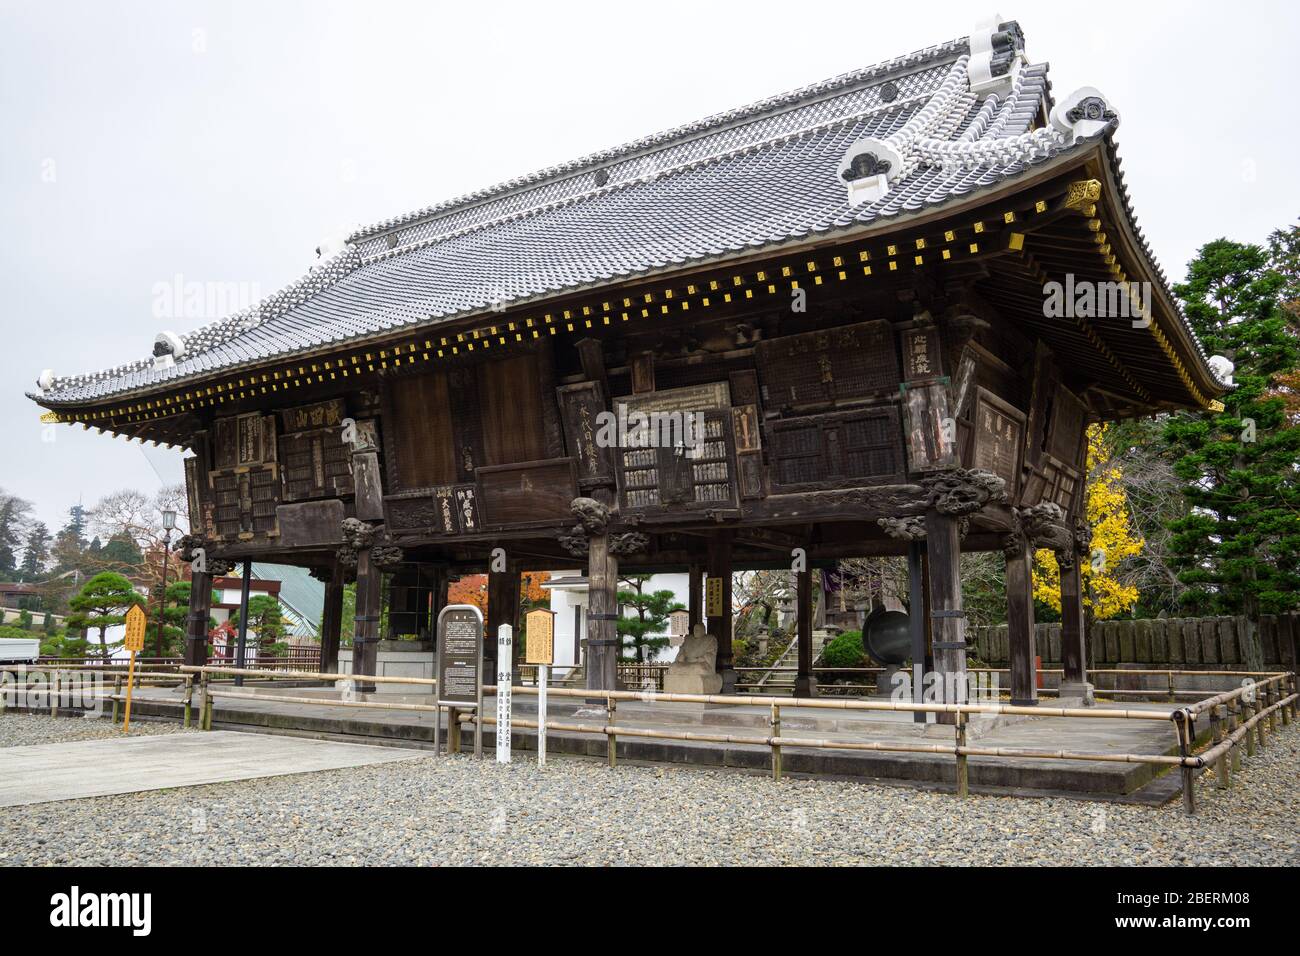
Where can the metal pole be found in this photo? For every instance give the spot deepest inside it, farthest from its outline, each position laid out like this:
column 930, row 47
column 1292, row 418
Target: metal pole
column 162, row 596
column 243, row 621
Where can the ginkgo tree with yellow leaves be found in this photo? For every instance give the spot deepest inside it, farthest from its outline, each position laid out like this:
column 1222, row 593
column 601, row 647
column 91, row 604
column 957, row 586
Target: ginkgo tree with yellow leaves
column 1105, row 593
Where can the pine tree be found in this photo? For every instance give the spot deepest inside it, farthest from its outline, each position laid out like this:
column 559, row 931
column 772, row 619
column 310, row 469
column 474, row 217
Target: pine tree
column 102, row 603
column 1238, row 550
column 641, row 635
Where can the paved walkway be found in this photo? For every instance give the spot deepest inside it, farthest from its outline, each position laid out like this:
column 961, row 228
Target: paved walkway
column 93, row 768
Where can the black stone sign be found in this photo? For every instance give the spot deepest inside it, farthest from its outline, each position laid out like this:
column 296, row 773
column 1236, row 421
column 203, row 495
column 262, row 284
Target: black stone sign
column 459, row 666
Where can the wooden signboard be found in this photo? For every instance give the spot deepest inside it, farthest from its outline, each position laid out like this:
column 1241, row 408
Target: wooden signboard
column 834, row 450
column 922, row 358
column 459, row 667
column 540, row 646
column 136, row 621
column 713, row 597
column 931, row 430
column 530, row 493
column 579, row 407
column 997, row 439
column 815, row 368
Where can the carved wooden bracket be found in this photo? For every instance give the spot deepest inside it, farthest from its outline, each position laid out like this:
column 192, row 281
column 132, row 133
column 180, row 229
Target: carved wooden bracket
column 629, row 542
column 903, row 529
column 963, row 491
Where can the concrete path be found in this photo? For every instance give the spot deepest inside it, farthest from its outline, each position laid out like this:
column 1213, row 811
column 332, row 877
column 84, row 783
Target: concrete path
column 94, row 768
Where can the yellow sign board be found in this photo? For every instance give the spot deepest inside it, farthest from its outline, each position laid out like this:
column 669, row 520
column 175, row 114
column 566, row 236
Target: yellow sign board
column 713, row 597
column 136, row 620
column 540, row 629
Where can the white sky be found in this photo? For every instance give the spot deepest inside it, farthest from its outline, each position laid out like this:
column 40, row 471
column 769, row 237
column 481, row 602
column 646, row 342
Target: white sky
column 223, row 141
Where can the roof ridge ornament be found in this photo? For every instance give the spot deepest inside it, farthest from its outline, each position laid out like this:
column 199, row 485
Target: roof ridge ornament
column 997, row 52
column 1083, row 114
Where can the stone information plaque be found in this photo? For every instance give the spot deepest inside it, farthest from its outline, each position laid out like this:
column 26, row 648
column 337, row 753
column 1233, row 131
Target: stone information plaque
column 460, row 656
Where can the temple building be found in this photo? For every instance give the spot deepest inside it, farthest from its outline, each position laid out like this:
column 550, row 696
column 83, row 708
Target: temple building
column 883, row 307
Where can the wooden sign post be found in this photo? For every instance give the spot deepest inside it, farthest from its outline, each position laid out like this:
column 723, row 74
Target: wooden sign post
column 713, row 597
column 459, row 668
column 505, row 685
column 135, row 625
column 540, row 650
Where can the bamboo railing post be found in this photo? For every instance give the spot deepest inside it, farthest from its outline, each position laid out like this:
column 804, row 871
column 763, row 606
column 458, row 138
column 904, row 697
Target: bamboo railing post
column 117, row 692
column 54, row 694
column 1220, row 765
column 1274, row 696
column 611, row 744
column 1183, row 721
column 776, row 747
column 1247, row 712
column 1285, row 708
column 1172, row 696
column 205, row 714
column 1235, row 750
column 963, row 772
column 189, row 701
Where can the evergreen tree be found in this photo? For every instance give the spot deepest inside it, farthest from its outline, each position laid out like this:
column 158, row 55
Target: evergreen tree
column 14, row 515
column 265, row 624
column 640, row 634
column 1238, row 549
column 102, row 603
column 36, row 552
column 70, row 543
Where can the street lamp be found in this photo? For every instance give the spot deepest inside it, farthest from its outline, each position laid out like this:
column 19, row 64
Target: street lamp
column 169, row 524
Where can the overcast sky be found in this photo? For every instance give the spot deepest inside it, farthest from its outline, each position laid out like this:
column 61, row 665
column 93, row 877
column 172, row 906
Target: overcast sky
column 222, row 142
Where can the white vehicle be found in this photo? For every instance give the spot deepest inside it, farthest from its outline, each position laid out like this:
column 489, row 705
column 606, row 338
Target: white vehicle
column 19, row 650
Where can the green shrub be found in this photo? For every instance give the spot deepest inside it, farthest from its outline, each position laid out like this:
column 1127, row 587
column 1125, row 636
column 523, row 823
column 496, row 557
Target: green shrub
column 845, row 651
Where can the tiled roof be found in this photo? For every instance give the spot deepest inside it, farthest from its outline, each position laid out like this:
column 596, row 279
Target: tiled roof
column 740, row 181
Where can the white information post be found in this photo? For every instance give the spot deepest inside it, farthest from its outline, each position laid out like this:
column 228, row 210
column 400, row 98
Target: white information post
column 543, row 675
column 505, row 677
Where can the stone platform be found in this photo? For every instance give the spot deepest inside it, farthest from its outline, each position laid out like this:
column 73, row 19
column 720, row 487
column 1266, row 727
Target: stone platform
column 96, row 768
column 1094, row 780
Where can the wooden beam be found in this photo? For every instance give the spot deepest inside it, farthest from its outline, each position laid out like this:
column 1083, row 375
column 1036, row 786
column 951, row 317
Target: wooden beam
column 196, row 622
column 332, row 621
column 719, row 624
column 1021, row 639
column 947, row 617
column 805, row 685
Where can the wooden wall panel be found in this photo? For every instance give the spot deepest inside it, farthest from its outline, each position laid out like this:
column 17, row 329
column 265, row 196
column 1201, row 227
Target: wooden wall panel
column 417, row 425
column 510, row 397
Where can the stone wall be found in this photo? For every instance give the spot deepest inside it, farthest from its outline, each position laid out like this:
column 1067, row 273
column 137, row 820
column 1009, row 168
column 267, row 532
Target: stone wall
column 1190, row 643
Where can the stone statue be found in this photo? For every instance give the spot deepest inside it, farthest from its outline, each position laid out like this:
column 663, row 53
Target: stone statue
column 695, row 670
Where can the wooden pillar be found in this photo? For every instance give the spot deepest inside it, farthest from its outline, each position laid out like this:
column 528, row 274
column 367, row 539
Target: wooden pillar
column 332, row 621
column 917, row 615
column 947, row 618
column 805, row 685
column 695, row 600
column 365, row 637
column 196, row 623
column 1074, row 640
column 603, row 641
column 503, row 608
column 719, row 624
column 1021, row 638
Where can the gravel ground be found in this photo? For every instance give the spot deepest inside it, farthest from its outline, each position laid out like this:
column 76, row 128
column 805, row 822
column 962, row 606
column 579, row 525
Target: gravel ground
column 20, row 729
column 455, row 810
